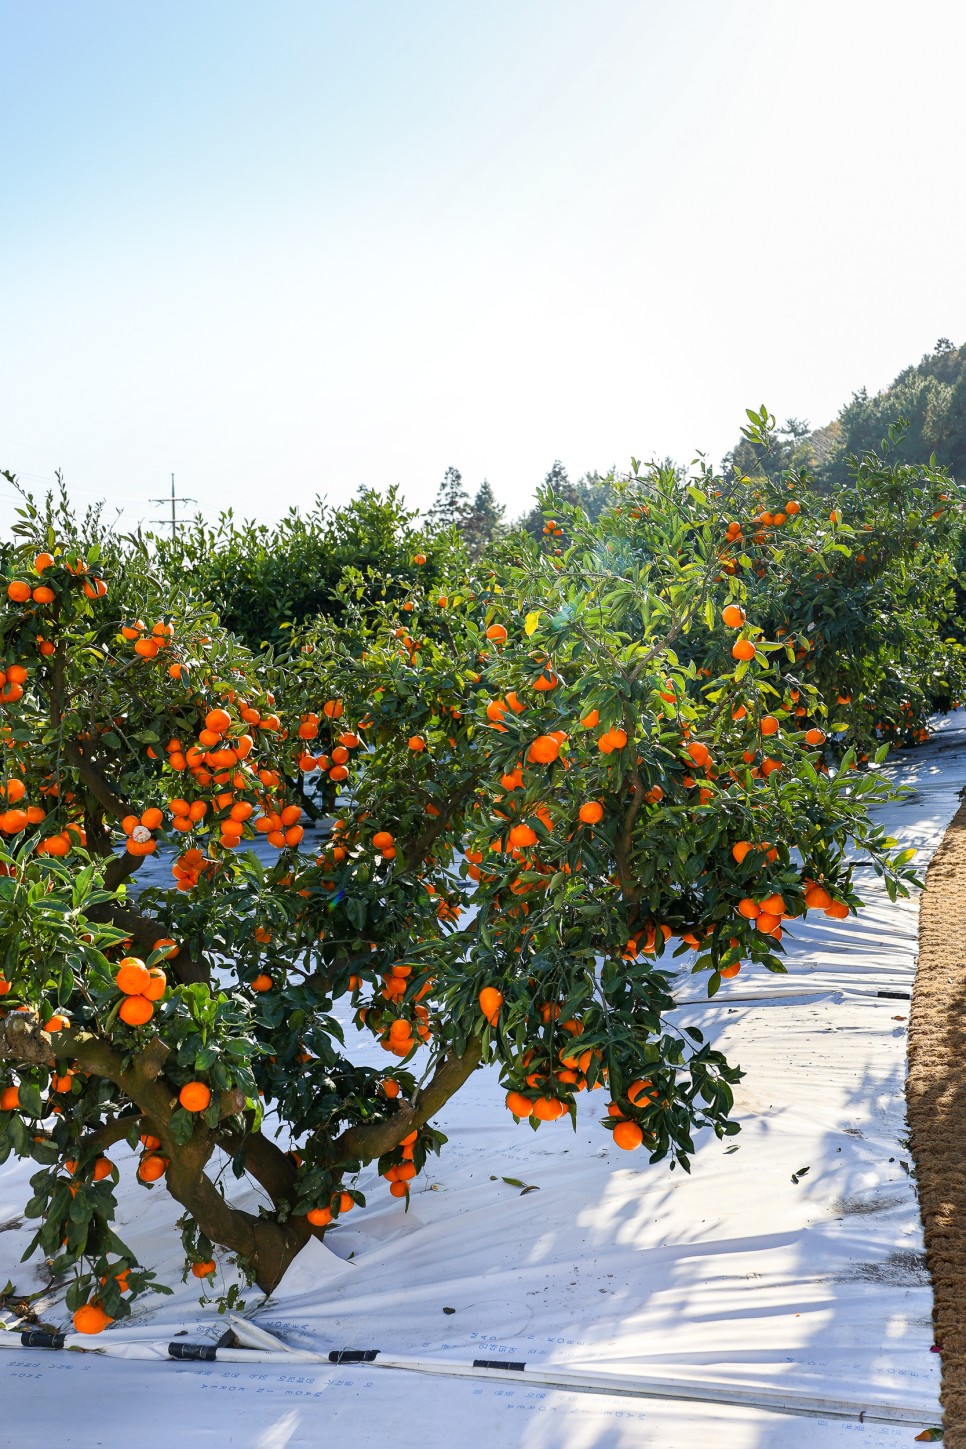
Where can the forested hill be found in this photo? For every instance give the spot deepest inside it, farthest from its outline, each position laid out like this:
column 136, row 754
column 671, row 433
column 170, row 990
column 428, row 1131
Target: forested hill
column 930, row 397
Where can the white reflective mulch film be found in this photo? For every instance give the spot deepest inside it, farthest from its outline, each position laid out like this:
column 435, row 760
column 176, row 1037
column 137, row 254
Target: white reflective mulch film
column 752, row 1281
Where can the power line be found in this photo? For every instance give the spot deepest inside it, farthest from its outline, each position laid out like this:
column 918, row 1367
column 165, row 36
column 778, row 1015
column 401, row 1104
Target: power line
column 174, row 500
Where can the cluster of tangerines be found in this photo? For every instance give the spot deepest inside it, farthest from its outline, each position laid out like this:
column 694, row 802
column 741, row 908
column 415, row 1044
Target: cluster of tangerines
column 401, row 1033
column 568, row 1069
column 91, row 1317
column 399, row 1168
column 228, row 789
column 757, row 529
column 13, row 677
column 768, row 911
column 148, row 643
column 334, row 763
column 339, row 1203
column 24, row 591
column 17, row 816
column 140, row 987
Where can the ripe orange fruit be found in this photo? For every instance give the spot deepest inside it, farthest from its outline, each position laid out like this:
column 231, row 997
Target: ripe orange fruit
column 699, row 752
column 43, row 594
column 611, row 740
column 203, row 1270
column 522, row 835
column 490, row 1002
column 628, row 1135
column 733, row 615
column 818, row 897
column 544, row 750
column 382, row 840
column 496, row 633
column 548, row 1109
column 768, row 923
column 18, row 592
column 262, row 982
column 749, row 909
column 518, row 1104
column 91, row 1318
column 743, row 649
column 132, row 976
column 769, row 725
column 136, row 1010
column 43, row 561
column 319, row 1217
column 591, row 812
column 815, row 737
column 103, row 1167
column 9, row 1099
column 157, row 983
column 217, row 720
column 195, row 1096
column 152, row 1167
column 416, row 744
column 838, row 911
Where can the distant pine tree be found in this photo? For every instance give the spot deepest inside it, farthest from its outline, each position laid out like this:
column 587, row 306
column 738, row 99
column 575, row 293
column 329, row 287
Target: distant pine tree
column 593, row 493
column 484, row 522
column 452, row 503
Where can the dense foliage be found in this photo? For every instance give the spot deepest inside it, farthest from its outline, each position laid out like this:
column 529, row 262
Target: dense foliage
column 625, row 748
column 264, row 581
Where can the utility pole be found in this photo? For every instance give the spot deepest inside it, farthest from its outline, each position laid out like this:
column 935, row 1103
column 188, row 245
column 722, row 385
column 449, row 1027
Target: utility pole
column 174, row 500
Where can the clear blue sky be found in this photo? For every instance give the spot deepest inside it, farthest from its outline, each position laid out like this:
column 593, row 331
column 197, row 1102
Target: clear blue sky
column 291, row 247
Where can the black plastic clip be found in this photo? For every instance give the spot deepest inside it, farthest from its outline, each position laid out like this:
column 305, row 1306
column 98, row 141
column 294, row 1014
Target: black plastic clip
column 206, row 1352
column 39, row 1338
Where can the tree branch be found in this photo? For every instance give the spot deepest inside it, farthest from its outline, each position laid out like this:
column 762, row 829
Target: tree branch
column 114, row 1131
column 371, row 1140
column 268, row 1246
column 144, row 931
column 120, row 868
column 415, row 850
column 95, row 782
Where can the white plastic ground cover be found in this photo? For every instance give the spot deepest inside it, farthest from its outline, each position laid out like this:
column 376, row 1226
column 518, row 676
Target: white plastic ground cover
column 737, row 1283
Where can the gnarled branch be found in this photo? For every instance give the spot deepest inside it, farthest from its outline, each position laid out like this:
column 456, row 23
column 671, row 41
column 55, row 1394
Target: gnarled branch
column 371, row 1140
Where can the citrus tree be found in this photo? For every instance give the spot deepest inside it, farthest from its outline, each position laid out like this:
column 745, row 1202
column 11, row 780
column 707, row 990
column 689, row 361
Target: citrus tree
column 264, row 580
column 867, row 577
column 559, row 780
